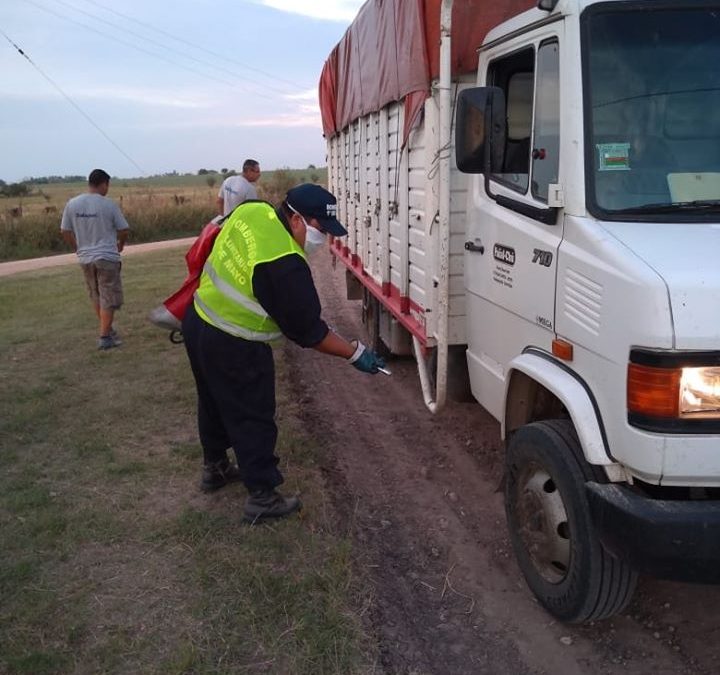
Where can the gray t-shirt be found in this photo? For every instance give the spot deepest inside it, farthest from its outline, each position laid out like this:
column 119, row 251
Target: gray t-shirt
column 236, row 190
column 95, row 221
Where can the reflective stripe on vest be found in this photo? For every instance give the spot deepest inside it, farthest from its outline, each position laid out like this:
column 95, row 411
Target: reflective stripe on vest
column 250, row 236
column 231, row 292
column 233, row 329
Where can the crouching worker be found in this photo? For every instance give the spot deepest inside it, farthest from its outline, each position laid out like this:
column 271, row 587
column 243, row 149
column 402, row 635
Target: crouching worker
column 255, row 287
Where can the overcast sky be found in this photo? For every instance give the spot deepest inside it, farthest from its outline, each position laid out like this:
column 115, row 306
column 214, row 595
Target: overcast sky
column 179, row 85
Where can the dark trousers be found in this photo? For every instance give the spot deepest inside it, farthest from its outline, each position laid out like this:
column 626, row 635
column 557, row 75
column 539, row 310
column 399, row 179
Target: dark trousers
column 235, row 381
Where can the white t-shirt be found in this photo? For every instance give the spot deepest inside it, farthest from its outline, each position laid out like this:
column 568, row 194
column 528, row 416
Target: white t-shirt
column 236, row 190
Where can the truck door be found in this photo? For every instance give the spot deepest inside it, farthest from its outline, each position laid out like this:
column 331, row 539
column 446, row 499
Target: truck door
column 513, row 234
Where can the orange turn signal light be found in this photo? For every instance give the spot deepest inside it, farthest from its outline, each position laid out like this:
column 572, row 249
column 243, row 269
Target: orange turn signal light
column 562, row 349
column 653, row 391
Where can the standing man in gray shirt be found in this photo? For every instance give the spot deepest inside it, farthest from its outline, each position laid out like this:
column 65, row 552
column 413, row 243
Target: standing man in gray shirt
column 238, row 189
column 97, row 230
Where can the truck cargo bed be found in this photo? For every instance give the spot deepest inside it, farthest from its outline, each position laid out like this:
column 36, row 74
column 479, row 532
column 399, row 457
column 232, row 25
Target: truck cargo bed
column 388, row 200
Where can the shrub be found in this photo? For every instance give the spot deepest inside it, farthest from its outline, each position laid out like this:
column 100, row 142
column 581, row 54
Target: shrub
column 15, row 190
column 273, row 189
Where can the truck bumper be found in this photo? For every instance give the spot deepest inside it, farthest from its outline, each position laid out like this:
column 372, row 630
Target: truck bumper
column 677, row 540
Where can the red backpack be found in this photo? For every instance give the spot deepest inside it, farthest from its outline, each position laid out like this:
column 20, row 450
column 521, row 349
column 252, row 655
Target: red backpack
column 170, row 314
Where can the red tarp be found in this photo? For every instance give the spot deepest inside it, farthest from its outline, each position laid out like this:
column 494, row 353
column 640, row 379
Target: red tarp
column 391, row 51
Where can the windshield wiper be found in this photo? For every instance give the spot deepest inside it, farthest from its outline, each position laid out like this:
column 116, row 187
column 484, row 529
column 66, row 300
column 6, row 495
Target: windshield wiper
column 698, row 205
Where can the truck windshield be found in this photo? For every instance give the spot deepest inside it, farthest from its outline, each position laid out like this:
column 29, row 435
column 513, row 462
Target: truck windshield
column 652, row 102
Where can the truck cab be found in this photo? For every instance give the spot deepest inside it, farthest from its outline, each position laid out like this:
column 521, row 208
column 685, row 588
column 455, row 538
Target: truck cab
column 592, row 151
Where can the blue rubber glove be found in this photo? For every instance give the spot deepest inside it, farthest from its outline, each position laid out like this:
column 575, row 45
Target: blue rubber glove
column 364, row 359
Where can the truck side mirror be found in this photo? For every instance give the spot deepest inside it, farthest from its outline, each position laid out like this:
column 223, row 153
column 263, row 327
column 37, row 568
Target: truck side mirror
column 480, row 130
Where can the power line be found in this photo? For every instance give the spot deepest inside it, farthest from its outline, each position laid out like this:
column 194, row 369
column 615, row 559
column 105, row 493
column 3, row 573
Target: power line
column 130, row 44
column 73, row 104
column 192, row 44
column 184, row 55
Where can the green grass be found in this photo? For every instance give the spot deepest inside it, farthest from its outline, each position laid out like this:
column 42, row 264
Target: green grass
column 111, row 560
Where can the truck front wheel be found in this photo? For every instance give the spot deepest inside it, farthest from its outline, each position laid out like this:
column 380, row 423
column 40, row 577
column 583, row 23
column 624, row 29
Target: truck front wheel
column 551, row 528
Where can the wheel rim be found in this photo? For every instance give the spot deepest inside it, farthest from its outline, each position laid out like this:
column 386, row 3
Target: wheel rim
column 542, row 523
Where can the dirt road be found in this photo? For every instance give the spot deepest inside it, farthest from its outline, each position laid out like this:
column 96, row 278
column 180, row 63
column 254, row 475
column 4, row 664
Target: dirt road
column 421, row 496
column 16, row 266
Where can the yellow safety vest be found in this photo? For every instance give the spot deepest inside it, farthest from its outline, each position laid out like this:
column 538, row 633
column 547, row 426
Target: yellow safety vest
column 252, row 235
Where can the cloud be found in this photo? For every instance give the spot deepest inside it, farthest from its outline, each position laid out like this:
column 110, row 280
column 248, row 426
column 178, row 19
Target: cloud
column 143, row 97
column 307, row 95
column 146, row 97
column 330, row 10
column 304, row 118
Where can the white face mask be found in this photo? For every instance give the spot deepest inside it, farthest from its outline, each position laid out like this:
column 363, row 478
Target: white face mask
column 314, row 239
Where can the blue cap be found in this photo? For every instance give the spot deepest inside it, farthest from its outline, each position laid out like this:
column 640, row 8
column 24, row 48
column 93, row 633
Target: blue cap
column 312, row 201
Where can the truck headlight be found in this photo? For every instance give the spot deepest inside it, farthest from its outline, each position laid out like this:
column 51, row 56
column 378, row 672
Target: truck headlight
column 673, row 388
column 700, row 392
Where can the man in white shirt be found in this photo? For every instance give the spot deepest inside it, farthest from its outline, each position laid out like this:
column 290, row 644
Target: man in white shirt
column 238, row 189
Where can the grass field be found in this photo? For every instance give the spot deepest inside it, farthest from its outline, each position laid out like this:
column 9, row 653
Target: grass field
column 162, row 207
column 111, row 560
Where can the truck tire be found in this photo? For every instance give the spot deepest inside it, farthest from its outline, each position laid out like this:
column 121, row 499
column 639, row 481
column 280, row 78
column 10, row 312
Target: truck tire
column 551, row 528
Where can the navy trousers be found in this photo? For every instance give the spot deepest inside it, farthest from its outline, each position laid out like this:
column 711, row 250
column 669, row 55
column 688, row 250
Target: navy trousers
column 235, row 381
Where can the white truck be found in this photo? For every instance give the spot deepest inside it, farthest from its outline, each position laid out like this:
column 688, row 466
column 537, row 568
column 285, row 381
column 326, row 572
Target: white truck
column 532, row 193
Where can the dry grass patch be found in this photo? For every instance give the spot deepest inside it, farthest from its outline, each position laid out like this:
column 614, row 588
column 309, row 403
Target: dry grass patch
column 163, row 207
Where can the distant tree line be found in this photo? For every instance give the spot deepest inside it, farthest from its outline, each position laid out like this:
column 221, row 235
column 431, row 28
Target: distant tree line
column 45, row 180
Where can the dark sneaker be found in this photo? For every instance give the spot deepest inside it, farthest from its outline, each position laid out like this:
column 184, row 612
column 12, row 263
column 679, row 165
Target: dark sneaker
column 108, row 342
column 219, row 474
column 264, row 504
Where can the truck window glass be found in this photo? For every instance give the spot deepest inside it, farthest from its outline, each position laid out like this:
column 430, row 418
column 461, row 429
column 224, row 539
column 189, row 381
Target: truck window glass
column 514, row 75
column 546, row 146
column 652, row 92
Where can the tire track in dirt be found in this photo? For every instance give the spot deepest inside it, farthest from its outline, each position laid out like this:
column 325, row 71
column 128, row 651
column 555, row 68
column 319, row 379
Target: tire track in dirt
column 420, row 494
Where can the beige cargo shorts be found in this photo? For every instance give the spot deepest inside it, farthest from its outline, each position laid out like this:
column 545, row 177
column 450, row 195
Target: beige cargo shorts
column 104, row 284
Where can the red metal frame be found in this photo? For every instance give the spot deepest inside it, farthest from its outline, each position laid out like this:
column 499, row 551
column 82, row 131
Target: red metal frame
column 388, row 294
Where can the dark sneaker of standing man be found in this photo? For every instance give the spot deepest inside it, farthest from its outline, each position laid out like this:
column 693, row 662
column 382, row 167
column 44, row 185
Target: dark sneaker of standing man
column 97, row 230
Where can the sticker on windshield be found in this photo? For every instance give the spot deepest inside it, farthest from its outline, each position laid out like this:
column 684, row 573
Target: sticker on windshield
column 614, row 156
